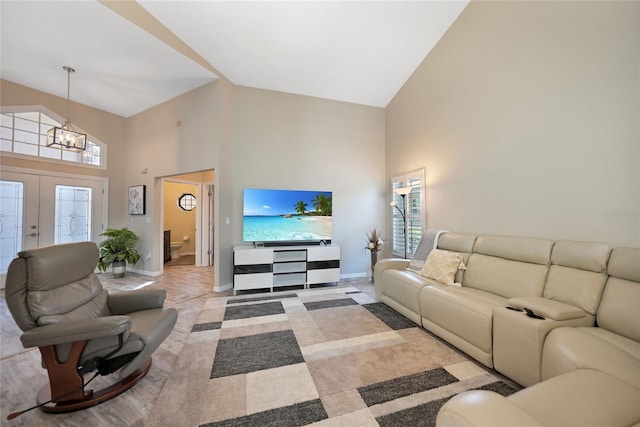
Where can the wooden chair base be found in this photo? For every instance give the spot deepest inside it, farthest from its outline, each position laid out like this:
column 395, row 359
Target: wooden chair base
column 92, row 398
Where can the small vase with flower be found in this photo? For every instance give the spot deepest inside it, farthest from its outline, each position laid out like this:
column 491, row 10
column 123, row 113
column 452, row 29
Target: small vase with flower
column 374, row 245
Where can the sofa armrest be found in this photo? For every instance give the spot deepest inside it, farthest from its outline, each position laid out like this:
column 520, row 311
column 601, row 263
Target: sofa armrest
column 382, row 266
column 549, row 309
column 79, row 330
column 391, row 263
column 483, row 408
column 128, row 302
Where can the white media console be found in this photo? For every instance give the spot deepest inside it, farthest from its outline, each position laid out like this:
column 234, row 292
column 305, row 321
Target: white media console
column 277, row 266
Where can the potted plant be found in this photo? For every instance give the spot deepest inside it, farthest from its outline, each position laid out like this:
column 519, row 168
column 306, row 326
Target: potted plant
column 117, row 250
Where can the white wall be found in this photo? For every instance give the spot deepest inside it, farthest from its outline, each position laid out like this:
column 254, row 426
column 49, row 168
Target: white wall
column 296, row 142
column 526, row 117
column 269, row 140
column 157, row 146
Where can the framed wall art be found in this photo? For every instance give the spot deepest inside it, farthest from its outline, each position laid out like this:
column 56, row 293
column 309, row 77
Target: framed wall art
column 137, row 200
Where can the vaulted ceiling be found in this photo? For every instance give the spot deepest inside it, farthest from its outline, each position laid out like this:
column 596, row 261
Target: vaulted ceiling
column 130, row 56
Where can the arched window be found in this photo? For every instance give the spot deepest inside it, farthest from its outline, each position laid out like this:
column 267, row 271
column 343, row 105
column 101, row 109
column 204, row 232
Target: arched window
column 24, row 133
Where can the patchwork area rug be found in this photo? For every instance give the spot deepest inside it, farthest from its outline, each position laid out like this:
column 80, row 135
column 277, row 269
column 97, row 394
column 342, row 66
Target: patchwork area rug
column 323, row 356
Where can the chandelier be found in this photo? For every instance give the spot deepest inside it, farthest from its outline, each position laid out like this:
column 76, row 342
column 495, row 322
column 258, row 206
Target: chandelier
column 66, row 136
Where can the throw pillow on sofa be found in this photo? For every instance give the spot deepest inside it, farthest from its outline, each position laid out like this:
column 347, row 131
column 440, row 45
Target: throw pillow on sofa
column 443, row 266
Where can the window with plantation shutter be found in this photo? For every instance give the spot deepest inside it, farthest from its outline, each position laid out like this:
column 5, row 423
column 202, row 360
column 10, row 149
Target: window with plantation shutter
column 415, row 215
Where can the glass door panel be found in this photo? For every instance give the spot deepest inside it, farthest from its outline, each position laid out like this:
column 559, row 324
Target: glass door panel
column 11, row 202
column 70, row 210
column 72, row 214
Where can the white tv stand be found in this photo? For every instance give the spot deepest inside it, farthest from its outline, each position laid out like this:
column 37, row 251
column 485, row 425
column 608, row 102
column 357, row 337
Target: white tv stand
column 277, row 266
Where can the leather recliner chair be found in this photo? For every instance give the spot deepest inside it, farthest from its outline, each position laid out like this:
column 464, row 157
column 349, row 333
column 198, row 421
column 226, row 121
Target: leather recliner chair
column 57, row 300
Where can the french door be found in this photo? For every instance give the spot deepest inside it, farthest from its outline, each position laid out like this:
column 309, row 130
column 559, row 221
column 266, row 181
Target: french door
column 40, row 210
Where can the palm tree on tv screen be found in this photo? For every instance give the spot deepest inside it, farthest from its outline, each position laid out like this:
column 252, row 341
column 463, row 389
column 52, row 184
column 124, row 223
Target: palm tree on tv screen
column 322, row 204
column 301, row 207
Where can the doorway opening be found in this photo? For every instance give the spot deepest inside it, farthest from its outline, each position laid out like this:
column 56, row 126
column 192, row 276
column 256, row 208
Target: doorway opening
column 187, row 219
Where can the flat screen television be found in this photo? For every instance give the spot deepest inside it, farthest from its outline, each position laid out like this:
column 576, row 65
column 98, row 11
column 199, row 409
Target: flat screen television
column 280, row 216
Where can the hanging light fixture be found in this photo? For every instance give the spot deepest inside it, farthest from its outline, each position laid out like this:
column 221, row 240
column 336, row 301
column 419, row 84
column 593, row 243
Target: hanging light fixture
column 66, row 136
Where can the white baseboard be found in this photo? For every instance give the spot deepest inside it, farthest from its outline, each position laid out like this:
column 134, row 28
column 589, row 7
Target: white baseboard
column 144, row 272
column 353, row 275
column 223, row 287
column 131, row 269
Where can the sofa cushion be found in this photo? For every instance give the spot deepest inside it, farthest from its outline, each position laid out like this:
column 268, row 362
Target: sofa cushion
column 464, row 312
column 525, row 249
column 573, row 286
column 579, row 398
column 625, row 264
column 619, row 310
column 567, row 349
column 577, row 274
column 588, row 256
column 457, row 242
column 404, row 287
column 442, row 266
column 509, row 266
column 504, row 277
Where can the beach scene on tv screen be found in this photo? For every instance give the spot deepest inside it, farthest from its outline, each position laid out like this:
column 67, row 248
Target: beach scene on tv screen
column 285, row 215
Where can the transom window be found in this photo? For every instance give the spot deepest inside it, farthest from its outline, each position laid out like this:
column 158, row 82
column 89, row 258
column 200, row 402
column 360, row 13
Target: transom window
column 414, row 213
column 25, row 133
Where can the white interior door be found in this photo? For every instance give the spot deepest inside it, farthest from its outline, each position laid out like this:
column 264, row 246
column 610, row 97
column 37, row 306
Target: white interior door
column 41, row 210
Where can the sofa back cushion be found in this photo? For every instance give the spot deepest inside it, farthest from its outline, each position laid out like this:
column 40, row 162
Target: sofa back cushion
column 619, row 310
column 577, row 274
column 461, row 244
column 508, row 266
column 457, row 242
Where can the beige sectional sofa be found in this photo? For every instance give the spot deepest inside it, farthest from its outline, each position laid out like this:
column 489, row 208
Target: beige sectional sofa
column 616, row 339
column 583, row 326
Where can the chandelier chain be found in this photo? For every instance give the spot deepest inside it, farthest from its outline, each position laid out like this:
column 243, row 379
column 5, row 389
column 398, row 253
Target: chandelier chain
column 69, row 70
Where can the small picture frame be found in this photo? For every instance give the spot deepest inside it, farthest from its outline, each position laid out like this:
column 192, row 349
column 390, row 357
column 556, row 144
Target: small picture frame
column 137, row 200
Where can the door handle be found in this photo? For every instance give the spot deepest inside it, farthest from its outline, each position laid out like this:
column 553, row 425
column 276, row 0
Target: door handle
column 32, row 234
